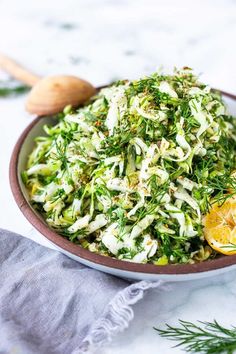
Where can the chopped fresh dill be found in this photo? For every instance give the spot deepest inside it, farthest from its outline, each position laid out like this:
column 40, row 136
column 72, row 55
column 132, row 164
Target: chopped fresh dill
column 133, row 173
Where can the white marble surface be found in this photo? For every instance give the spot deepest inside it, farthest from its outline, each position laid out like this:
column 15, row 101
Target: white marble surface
column 102, row 41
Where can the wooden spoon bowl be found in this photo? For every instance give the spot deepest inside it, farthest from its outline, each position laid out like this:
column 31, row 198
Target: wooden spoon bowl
column 51, row 94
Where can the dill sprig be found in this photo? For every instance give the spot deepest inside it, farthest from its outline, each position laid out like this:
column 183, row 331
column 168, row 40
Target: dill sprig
column 207, row 337
column 6, row 89
column 224, row 187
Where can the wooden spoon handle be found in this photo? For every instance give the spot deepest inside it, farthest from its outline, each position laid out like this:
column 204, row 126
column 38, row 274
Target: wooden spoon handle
column 17, row 71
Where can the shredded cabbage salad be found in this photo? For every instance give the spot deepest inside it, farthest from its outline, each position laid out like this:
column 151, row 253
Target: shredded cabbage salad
column 131, row 174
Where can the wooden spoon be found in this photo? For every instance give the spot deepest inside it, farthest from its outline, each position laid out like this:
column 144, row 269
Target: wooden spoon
column 51, row 94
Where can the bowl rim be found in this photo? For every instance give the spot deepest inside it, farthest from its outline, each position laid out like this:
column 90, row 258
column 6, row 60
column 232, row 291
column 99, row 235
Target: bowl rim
column 77, row 250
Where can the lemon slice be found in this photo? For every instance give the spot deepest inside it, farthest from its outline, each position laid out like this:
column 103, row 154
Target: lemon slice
column 220, row 227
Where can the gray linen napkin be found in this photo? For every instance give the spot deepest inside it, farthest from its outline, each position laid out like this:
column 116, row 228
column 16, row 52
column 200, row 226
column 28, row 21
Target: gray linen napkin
column 51, row 304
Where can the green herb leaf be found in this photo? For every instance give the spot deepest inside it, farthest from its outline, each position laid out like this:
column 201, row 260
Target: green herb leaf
column 207, row 337
column 6, row 89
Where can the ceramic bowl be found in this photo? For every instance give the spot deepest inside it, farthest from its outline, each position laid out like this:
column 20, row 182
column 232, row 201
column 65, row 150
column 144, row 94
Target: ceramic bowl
column 110, row 265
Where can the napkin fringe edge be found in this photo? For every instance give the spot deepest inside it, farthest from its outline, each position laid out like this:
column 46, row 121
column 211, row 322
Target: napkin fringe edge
column 116, row 317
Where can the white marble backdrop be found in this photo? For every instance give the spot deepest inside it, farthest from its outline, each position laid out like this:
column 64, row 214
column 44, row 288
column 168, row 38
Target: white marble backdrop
column 103, row 40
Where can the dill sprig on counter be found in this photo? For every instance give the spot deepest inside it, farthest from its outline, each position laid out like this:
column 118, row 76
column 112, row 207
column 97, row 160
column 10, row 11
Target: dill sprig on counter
column 8, row 88
column 204, row 337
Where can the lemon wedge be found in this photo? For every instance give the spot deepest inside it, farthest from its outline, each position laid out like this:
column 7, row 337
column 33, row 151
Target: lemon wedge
column 220, row 227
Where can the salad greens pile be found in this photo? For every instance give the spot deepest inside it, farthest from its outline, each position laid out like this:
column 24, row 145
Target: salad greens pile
column 132, row 173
